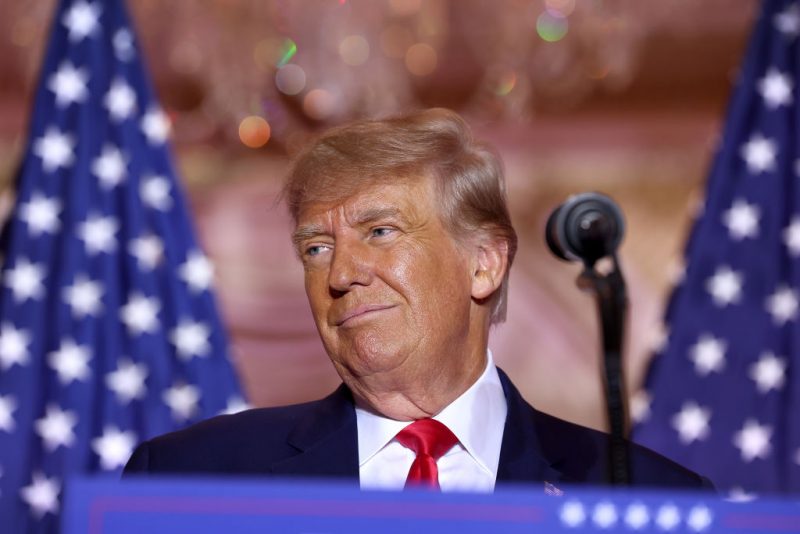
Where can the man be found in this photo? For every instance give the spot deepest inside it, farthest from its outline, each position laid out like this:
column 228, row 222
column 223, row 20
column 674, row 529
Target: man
column 406, row 243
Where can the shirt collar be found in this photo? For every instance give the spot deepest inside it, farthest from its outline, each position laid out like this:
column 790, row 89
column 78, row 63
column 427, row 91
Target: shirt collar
column 477, row 419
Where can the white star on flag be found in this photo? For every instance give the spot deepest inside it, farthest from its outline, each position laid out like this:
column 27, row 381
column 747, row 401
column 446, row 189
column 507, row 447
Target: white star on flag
column 13, row 346
column 658, row 337
column 637, row 516
column 776, row 88
column 668, row 517
column 782, row 305
column 235, row 405
column 708, row 354
column 691, row 422
column 182, row 399
column 155, row 126
column 742, row 220
column 699, row 518
column 40, row 213
column 55, row 148
column 197, row 271
column 148, row 251
column 676, row 271
column 114, row 447
column 155, row 192
column 82, row 20
column 120, row 100
column 83, row 297
column 753, row 440
column 7, row 406
column 97, row 234
column 191, row 339
column 25, row 280
column 127, row 382
column 739, row 494
column 604, row 515
column 788, row 21
column 791, row 236
column 70, row 361
column 759, row 153
column 768, row 372
column 123, row 45
column 640, row 406
column 56, row 428
column 41, row 495
column 69, row 85
column 140, row 314
column 725, row 286
column 110, row 166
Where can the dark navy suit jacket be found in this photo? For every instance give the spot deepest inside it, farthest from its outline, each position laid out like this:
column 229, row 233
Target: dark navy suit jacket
column 319, row 440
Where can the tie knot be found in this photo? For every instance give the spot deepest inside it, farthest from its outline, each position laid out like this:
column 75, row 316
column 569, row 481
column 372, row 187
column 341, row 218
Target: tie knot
column 427, row 437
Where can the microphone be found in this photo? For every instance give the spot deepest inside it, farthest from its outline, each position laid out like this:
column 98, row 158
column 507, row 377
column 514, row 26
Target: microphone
column 586, row 227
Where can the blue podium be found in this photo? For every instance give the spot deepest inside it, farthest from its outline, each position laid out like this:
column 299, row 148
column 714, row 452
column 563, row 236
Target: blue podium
column 203, row 505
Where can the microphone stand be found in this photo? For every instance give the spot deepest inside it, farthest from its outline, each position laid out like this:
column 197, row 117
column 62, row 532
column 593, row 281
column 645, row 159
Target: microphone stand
column 610, row 295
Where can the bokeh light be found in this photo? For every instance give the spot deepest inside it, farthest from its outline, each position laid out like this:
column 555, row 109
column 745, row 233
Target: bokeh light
column 254, row 131
column 421, row 59
column 290, row 79
column 506, row 83
column 354, row 50
column 319, row 104
column 551, row 26
column 396, row 40
column 287, row 51
column 562, row 7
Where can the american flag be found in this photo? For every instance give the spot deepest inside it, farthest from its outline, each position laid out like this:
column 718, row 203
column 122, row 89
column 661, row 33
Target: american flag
column 723, row 395
column 108, row 329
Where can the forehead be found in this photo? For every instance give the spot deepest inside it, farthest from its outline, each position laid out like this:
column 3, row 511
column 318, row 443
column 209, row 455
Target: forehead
column 409, row 199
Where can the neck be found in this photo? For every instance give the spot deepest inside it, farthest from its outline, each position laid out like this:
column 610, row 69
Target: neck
column 419, row 388
column 425, row 396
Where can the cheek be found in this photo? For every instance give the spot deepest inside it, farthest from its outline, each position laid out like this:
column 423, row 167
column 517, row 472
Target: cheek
column 317, row 293
column 440, row 284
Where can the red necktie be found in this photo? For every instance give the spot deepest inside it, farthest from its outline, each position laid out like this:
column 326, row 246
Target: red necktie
column 429, row 439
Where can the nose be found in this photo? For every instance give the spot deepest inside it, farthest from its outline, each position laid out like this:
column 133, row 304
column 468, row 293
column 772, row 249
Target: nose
column 351, row 265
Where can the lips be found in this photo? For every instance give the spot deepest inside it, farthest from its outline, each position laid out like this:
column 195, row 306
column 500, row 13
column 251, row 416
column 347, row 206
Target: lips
column 359, row 311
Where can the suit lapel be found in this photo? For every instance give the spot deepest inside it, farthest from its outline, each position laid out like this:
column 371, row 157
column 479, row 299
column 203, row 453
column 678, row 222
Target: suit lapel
column 326, row 440
column 522, row 459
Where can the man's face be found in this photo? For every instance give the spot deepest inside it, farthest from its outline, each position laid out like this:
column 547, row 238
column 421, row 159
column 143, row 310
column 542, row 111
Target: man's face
column 389, row 287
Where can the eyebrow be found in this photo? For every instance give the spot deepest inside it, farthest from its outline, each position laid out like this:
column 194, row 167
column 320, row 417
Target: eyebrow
column 376, row 214
column 306, row 232
column 310, row 231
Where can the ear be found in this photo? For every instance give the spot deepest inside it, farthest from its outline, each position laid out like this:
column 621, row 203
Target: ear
column 490, row 262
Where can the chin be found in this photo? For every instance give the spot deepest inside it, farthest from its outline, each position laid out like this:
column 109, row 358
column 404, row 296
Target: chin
column 372, row 352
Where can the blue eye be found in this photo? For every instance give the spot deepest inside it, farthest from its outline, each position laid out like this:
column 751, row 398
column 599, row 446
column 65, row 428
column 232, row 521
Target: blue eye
column 314, row 250
column 381, row 231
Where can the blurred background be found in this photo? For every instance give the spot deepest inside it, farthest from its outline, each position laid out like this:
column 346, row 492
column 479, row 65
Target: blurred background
column 620, row 96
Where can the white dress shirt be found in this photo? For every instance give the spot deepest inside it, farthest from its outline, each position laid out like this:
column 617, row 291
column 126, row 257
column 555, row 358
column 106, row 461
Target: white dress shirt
column 477, row 418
